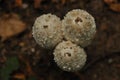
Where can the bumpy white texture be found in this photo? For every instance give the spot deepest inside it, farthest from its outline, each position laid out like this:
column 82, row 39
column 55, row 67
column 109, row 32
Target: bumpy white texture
column 47, row 31
column 79, row 27
column 69, row 56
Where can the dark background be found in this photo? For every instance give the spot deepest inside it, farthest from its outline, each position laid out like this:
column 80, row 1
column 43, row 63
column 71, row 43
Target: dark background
column 21, row 58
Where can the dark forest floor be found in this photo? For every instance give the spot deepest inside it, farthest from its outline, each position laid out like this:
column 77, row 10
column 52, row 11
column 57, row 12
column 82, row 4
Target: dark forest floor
column 30, row 62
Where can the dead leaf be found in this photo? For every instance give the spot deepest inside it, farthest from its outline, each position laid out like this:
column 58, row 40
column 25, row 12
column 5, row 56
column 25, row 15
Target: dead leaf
column 18, row 3
column 115, row 7
column 37, row 3
column 11, row 25
column 19, row 76
column 110, row 1
column 63, row 1
column 29, row 69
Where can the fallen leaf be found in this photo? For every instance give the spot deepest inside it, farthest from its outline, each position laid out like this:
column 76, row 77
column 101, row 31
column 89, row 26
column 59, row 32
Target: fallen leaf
column 110, row 1
column 63, row 1
column 29, row 69
column 115, row 7
column 19, row 76
column 10, row 25
column 37, row 3
column 18, row 3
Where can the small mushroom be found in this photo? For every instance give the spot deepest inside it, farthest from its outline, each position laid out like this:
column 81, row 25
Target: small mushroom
column 79, row 27
column 47, row 31
column 69, row 56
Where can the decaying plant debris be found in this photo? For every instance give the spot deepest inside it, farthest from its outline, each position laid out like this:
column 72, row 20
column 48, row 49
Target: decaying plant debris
column 34, row 63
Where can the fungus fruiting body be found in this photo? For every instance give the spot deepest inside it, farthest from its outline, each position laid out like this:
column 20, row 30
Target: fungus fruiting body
column 67, row 37
column 79, row 27
column 47, row 31
column 69, row 56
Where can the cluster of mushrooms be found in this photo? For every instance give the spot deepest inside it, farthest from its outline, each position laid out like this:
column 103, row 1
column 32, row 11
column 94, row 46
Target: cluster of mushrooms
column 67, row 37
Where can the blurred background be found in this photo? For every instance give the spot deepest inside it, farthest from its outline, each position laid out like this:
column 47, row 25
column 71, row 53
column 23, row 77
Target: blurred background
column 21, row 58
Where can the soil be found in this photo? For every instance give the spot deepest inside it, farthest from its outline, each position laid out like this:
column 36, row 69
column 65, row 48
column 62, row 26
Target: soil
column 103, row 61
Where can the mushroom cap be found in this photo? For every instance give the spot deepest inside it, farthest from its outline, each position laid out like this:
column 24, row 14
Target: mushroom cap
column 69, row 56
column 47, row 31
column 79, row 27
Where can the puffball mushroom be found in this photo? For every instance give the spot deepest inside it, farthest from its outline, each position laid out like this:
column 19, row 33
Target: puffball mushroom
column 47, row 31
column 69, row 56
column 79, row 27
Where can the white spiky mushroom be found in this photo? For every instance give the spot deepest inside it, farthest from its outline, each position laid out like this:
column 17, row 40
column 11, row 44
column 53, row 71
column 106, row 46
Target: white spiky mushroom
column 69, row 56
column 79, row 27
column 47, row 31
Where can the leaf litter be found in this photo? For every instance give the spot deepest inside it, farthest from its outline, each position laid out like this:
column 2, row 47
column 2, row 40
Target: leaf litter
column 10, row 25
column 114, row 5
